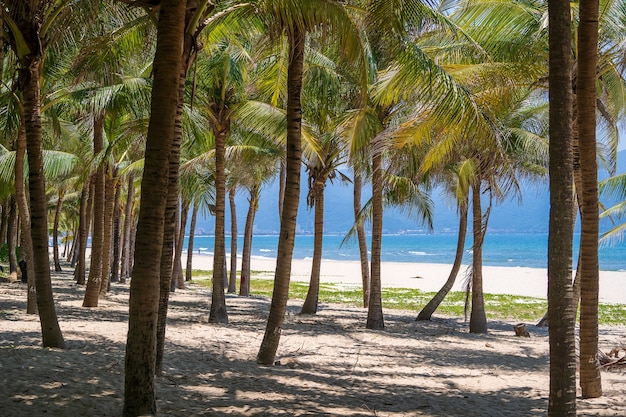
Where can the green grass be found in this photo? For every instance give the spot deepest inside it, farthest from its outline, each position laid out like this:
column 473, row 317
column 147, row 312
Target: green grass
column 497, row 306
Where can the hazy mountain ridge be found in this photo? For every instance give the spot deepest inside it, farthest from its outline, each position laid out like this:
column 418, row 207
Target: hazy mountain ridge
column 530, row 215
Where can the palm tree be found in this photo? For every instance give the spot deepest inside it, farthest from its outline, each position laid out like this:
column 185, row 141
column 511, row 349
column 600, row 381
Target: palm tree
column 590, row 379
column 296, row 19
column 31, row 24
column 562, row 397
column 139, row 398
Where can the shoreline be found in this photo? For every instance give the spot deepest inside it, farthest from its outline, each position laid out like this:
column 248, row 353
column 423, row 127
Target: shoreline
column 522, row 281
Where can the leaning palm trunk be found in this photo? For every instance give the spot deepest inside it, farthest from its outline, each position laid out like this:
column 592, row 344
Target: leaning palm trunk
column 428, row 310
column 312, row 296
column 360, row 232
column 289, row 212
column 375, row 319
column 562, row 396
column 140, row 361
column 28, row 80
column 177, row 267
column 192, row 230
column 590, row 379
column 478, row 318
column 244, row 282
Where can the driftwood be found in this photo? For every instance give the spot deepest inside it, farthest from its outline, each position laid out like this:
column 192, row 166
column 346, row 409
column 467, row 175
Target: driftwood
column 616, row 358
column 521, row 330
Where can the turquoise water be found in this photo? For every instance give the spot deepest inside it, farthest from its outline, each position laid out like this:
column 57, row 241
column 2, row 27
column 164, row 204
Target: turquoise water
column 526, row 250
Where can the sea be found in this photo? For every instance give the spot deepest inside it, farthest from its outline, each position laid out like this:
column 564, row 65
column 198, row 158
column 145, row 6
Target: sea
column 500, row 249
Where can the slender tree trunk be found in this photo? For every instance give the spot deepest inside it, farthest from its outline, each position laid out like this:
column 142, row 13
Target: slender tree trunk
column 94, row 280
column 117, row 225
column 590, row 379
column 478, row 318
column 177, row 272
column 140, row 362
column 428, row 310
column 562, row 397
column 83, row 232
column 29, row 75
column 192, row 231
column 232, row 282
column 55, row 232
column 22, row 203
column 375, row 319
column 244, row 283
column 218, row 302
column 271, row 338
column 12, row 236
column 312, row 296
column 4, row 221
column 128, row 227
column 107, row 235
column 360, row 231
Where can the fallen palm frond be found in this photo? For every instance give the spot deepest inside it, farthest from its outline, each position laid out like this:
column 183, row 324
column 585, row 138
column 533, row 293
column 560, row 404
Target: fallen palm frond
column 616, row 358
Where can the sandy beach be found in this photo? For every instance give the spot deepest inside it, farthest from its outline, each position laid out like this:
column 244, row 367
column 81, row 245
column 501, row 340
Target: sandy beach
column 532, row 282
column 329, row 364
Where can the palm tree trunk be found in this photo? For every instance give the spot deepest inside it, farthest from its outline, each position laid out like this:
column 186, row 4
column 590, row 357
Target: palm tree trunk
column 244, row 283
column 83, row 231
column 590, row 379
column 312, row 296
column 140, row 362
column 360, row 231
column 218, row 313
column 94, row 280
column 12, row 235
column 107, row 231
column 177, row 267
column 478, row 318
column 289, row 213
column 25, row 224
column 232, row 282
column 117, row 226
column 192, row 231
column 375, row 319
column 55, row 232
column 562, row 396
column 128, row 227
column 29, row 74
column 428, row 310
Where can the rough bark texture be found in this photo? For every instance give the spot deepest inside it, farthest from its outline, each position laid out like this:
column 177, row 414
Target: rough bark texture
column 55, row 232
column 128, row 227
column 562, row 396
column 83, row 233
column 117, row 227
column 312, row 296
column 590, row 379
column 94, row 280
column 139, row 395
column 375, row 319
column 107, row 235
column 478, row 318
column 289, row 212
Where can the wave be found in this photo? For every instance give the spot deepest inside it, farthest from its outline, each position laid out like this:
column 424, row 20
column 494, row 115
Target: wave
column 419, row 253
column 266, row 250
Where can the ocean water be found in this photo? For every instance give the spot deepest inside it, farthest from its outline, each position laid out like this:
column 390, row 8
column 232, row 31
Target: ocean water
column 515, row 250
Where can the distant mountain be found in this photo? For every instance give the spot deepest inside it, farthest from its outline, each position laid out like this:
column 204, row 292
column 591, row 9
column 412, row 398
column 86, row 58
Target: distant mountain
column 529, row 215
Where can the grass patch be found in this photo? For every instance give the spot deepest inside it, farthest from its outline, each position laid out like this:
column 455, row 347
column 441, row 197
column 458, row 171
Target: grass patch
column 497, row 306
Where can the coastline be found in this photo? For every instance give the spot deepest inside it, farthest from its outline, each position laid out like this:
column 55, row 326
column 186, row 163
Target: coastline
column 522, row 281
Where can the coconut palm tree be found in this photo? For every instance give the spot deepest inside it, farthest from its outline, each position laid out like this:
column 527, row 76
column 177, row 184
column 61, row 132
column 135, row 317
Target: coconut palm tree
column 562, row 397
column 139, row 398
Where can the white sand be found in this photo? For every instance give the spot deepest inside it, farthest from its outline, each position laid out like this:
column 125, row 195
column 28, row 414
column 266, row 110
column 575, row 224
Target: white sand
column 330, row 365
column 532, row 282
